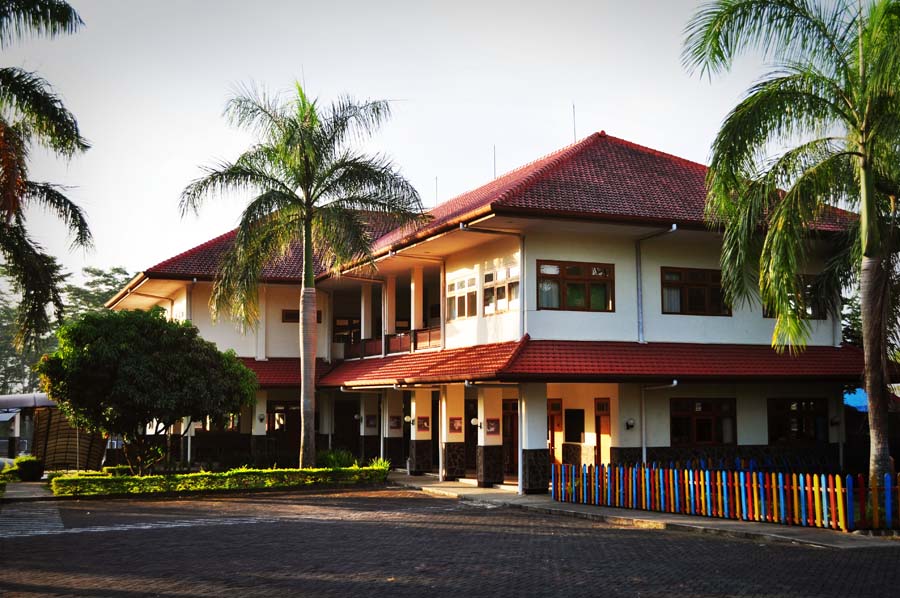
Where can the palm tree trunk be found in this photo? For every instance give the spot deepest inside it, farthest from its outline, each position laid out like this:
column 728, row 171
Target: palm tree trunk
column 308, row 353
column 873, row 302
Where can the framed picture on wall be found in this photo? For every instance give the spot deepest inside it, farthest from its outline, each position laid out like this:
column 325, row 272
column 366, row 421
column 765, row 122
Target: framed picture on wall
column 371, row 422
column 395, row 422
column 456, row 425
column 492, row 427
column 423, row 423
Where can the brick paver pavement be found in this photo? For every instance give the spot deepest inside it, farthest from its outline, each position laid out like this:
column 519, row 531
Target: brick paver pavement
column 400, row 543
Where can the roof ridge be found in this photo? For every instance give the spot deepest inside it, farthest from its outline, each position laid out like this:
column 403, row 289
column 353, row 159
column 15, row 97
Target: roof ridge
column 520, row 346
column 191, row 251
column 653, row 151
column 559, row 157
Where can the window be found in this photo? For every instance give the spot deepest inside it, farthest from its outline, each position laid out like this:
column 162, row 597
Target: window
column 798, row 421
column 814, row 308
column 576, row 286
column 462, row 299
column 693, row 291
column 702, row 422
column 501, row 290
column 292, row 316
column 574, row 425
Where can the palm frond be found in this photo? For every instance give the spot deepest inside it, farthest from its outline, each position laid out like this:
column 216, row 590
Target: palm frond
column 224, row 178
column 43, row 18
column 13, row 169
column 52, row 198
column 27, row 97
column 368, row 183
column 342, row 237
column 787, row 30
column 252, row 107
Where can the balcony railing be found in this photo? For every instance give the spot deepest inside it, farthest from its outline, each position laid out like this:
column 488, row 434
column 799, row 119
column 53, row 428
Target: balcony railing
column 404, row 342
column 427, row 338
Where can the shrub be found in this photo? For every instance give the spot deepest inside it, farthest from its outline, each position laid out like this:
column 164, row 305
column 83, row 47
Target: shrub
column 380, row 463
column 29, row 468
column 9, row 474
column 2, row 487
column 237, row 479
column 117, row 470
column 335, row 458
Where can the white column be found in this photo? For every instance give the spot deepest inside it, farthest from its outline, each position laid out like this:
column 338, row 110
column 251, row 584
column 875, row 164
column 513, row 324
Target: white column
column 365, row 311
column 261, row 326
column 420, row 410
column 490, row 407
column 416, row 299
column 326, row 413
column 259, row 427
column 533, row 413
column 389, row 297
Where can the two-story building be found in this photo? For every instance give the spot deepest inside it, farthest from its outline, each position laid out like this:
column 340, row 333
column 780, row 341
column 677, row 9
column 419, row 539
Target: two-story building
column 570, row 310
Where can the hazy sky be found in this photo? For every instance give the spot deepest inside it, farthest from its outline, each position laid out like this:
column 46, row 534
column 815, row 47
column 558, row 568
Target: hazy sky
column 148, row 81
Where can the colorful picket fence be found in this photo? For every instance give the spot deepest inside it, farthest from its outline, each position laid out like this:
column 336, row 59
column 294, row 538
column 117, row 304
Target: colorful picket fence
column 828, row 501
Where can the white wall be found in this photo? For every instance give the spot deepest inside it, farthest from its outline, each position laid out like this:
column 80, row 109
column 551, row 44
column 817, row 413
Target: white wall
column 680, row 249
column 751, row 406
column 482, row 329
column 225, row 333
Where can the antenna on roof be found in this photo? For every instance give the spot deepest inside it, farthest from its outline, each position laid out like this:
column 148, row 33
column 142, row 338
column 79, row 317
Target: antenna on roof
column 495, row 160
column 574, row 131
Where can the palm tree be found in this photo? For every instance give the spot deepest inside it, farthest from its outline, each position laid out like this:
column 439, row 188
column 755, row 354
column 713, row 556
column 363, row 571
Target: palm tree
column 31, row 113
column 310, row 186
column 831, row 98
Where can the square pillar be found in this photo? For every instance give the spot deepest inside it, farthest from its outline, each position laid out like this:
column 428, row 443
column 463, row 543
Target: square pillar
column 260, row 345
column 389, row 301
column 534, row 461
column 453, row 412
column 368, row 428
column 420, row 432
column 392, row 427
column 417, row 299
column 258, row 444
column 365, row 311
column 489, row 456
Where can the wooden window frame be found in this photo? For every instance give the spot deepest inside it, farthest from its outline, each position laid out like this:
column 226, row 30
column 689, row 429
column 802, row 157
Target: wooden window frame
column 684, row 284
column 511, row 277
column 716, row 415
column 471, row 288
column 562, row 279
column 809, row 409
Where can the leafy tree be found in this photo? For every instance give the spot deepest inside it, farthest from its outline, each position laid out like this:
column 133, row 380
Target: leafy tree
column 16, row 374
column 310, row 186
column 831, row 98
column 119, row 372
column 31, row 113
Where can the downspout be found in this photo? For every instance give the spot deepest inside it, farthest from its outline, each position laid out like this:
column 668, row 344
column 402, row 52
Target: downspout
column 644, row 389
column 640, row 282
column 189, row 300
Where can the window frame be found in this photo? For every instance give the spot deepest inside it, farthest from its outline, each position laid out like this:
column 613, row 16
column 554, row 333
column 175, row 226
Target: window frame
column 511, row 275
column 716, row 415
column 562, row 279
column 470, row 288
column 684, row 285
column 806, row 415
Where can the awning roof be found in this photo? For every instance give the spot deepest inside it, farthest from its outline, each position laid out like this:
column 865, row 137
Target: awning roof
column 5, row 416
column 588, row 361
column 32, row 399
column 280, row 372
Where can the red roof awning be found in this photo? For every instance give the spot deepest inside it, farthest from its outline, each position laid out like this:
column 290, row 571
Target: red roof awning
column 280, row 372
column 587, row 361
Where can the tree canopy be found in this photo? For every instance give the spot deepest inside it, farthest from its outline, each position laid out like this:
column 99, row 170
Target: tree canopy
column 119, row 371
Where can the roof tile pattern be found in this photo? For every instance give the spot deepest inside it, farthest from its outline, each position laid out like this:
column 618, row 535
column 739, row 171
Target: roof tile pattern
column 480, row 362
column 585, row 360
column 282, row 371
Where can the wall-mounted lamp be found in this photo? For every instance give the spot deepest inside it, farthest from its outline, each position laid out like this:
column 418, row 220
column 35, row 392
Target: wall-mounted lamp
column 629, row 423
column 261, row 417
column 836, row 420
column 408, row 419
column 474, row 421
column 356, row 416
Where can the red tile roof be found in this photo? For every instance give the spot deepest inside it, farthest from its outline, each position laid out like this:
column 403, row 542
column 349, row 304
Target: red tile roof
column 481, row 362
column 590, row 361
column 282, row 371
column 203, row 260
column 618, row 361
column 601, row 177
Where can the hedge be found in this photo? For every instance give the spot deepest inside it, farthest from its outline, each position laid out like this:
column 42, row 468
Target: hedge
column 2, row 487
column 236, row 479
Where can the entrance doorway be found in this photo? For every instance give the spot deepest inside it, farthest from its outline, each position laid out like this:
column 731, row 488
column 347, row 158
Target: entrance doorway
column 346, row 426
column 284, row 426
column 511, row 437
column 471, row 406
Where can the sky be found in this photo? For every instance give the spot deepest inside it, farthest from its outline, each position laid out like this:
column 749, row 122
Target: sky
column 148, row 81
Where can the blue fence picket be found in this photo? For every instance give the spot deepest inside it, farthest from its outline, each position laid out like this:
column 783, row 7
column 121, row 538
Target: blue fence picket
column 888, row 507
column 848, row 500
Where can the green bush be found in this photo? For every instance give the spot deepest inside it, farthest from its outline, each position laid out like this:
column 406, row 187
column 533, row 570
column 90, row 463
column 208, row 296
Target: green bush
column 236, row 479
column 2, row 487
column 28, row 468
column 52, row 475
column 117, row 470
column 9, row 474
column 335, row 458
column 380, row 463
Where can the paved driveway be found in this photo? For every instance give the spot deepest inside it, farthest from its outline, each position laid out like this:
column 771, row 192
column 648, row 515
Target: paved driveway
column 397, row 543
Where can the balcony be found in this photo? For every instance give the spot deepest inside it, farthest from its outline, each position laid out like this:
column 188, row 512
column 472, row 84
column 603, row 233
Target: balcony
column 404, row 342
